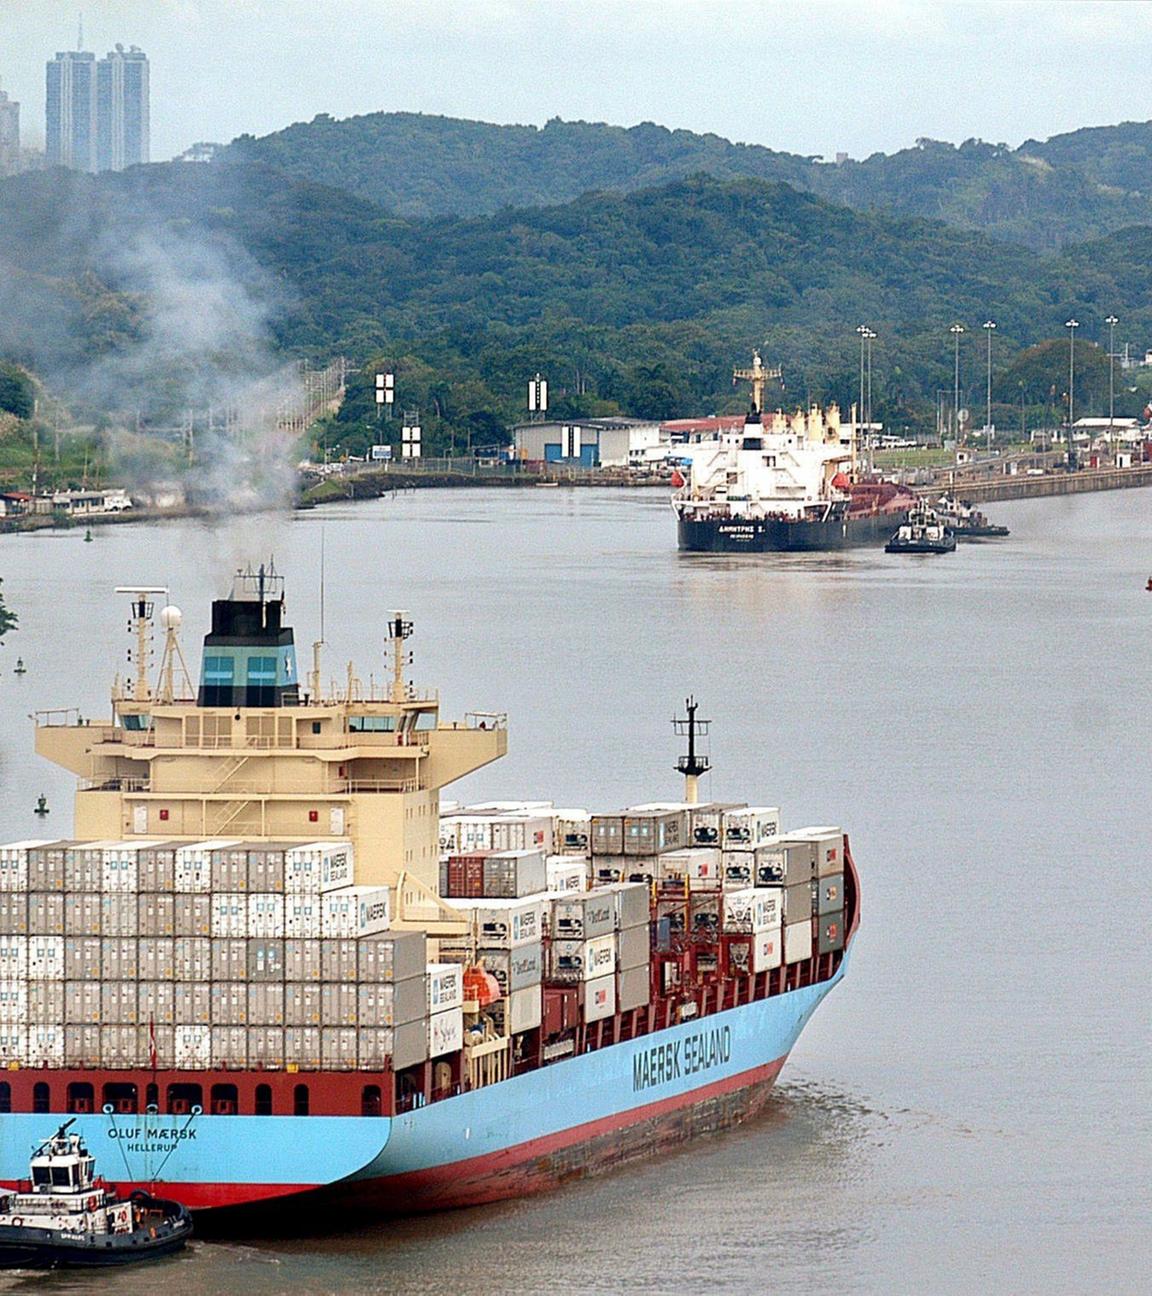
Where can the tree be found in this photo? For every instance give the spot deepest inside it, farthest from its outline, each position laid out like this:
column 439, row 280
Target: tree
column 15, row 391
column 7, row 619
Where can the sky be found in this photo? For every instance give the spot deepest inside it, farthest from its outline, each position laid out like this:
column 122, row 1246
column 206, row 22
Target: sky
column 805, row 76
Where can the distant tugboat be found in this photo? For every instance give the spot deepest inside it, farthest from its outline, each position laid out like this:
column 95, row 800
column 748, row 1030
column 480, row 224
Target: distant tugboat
column 967, row 522
column 66, row 1218
column 923, row 533
column 19, row 668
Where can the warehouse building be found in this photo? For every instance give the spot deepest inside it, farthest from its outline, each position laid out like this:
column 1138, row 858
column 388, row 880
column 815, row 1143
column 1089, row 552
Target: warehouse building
column 591, row 443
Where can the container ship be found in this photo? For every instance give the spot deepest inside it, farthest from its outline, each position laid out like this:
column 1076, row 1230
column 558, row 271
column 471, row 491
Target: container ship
column 273, row 970
column 783, row 482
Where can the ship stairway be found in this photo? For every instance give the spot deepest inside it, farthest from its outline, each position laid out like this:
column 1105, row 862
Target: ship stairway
column 233, row 769
column 229, row 813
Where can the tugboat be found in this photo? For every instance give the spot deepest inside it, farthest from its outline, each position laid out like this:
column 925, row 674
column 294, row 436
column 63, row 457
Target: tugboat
column 923, row 533
column 66, row 1217
column 966, row 522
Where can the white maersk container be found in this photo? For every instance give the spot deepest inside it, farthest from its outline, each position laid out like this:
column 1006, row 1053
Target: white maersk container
column 633, row 904
column 445, row 1032
column 565, row 873
column 584, row 916
column 752, row 909
column 302, row 917
column 573, row 960
column 318, row 867
column 121, row 866
column 46, row 958
column 767, row 949
column 573, row 831
column 354, row 911
column 751, row 826
column 193, row 865
column 46, row 1046
column 525, row 1009
column 695, row 866
column 14, row 863
column 445, row 986
column 507, row 924
column 522, row 833
column 798, row 941
column 829, row 843
column 13, row 1042
column 465, row 834
column 229, row 914
column 14, row 1002
column 13, row 956
column 599, row 998
column 265, row 915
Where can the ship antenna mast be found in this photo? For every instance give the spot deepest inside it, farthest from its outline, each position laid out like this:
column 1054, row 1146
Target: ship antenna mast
column 314, row 682
column 399, row 629
column 694, row 764
column 757, row 375
column 142, row 608
column 173, row 668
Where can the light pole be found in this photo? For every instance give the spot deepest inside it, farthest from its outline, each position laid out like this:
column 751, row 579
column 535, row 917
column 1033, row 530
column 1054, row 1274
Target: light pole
column 1111, row 321
column 863, row 331
column 870, row 337
column 989, row 327
column 956, row 330
column 1071, row 325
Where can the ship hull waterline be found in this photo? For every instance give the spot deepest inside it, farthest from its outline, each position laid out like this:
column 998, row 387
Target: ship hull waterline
column 579, row 1117
column 784, row 535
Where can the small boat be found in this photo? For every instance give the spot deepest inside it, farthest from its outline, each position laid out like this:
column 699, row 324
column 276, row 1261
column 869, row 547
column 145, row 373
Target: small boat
column 966, row 522
column 65, row 1217
column 20, row 668
column 923, row 533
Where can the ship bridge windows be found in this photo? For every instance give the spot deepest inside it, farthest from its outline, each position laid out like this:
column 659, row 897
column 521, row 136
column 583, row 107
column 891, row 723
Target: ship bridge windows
column 261, row 689
column 425, row 720
column 371, row 723
column 136, row 723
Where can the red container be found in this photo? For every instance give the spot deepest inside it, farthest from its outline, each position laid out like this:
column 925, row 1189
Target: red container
column 466, row 876
column 561, row 1009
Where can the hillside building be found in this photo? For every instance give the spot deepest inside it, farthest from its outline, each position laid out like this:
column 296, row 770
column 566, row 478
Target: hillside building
column 97, row 112
column 9, row 134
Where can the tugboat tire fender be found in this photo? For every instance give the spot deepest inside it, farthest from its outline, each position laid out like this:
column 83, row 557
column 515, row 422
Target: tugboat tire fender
column 17, row 1221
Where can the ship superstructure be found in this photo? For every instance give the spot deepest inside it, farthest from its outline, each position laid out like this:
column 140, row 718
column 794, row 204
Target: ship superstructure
column 783, row 481
column 269, row 967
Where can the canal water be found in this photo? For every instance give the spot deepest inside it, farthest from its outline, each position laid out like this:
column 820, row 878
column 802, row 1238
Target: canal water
column 970, row 1110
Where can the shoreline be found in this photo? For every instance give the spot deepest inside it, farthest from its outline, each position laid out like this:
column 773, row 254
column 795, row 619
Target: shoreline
column 377, row 485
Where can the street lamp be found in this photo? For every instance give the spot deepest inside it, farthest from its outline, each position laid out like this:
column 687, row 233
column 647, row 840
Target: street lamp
column 1071, row 325
column 956, row 330
column 1111, row 321
column 989, row 327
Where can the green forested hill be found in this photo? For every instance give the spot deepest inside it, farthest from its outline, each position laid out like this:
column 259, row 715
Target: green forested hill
column 1044, row 195
column 171, row 279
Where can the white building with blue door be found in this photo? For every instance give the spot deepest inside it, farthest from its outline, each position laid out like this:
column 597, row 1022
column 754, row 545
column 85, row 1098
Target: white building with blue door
column 589, row 443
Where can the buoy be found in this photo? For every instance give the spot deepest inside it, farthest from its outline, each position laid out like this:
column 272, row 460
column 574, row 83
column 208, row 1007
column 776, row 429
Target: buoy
column 88, row 536
column 42, row 805
column 19, row 667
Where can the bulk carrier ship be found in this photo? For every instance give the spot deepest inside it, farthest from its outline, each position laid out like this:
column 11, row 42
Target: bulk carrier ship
column 270, row 971
column 783, row 482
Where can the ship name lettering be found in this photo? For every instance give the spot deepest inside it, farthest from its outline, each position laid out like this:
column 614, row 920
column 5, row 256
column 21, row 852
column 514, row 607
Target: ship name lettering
column 171, row 1135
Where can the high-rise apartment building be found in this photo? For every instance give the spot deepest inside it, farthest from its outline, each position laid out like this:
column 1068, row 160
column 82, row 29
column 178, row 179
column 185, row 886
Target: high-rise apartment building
column 70, row 110
column 97, row 112
column 9, row 134
column 122, row 125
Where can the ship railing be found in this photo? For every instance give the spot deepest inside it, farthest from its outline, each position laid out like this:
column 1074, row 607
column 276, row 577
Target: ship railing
column 486, row 720
column 116, row 785
column 57, row 718
column 380, row 785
